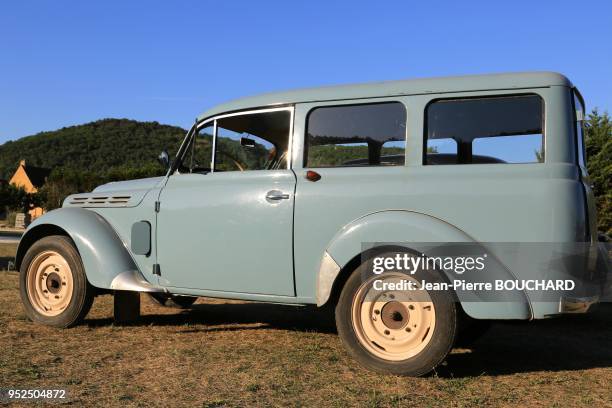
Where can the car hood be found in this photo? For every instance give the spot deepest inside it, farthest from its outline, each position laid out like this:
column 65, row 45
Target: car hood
column 115, row 194
column 129, row 185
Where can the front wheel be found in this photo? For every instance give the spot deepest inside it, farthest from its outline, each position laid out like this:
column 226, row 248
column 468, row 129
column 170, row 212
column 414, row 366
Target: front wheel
column 396, row 332
column 53, row 286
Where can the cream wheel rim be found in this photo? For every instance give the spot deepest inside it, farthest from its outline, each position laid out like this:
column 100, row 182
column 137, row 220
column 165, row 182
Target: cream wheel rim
column 50, row 283
column 393, row 325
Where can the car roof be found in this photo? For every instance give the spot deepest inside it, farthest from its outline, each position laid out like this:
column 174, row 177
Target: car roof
column 466, row 83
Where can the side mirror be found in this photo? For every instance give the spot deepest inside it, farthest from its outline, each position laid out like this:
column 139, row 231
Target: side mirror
column 246, row 142
column 164, row 159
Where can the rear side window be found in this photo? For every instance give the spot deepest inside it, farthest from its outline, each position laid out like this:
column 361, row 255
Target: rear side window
column 504, row 129
column 356, row 135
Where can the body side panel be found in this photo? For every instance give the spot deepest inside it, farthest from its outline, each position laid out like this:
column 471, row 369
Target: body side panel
column 122, row 219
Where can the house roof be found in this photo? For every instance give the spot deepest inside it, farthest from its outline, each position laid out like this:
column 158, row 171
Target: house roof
column 37, row 175
column 395, row 88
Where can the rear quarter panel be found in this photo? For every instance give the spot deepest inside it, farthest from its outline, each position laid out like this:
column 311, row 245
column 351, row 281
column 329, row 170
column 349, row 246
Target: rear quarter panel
column 488, row 202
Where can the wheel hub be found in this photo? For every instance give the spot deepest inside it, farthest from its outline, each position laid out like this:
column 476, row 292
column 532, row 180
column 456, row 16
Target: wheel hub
column 395, row 315
column 53, row 282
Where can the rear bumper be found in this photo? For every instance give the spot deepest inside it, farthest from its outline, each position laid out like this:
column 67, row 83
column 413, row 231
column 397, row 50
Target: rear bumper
column 595, row 290
column 577, row 304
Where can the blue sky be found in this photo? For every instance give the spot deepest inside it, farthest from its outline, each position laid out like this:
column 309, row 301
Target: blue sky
column 67, row 62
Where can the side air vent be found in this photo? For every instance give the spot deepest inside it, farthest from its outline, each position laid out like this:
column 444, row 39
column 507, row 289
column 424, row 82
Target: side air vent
column 100, row 201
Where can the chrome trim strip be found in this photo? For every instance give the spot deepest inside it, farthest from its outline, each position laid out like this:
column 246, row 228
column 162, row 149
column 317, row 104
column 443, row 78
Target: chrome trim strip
column 577, row 305
column 290, row 145
column 250, row 112
column 214, row 147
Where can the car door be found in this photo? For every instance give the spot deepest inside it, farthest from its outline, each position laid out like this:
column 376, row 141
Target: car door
column 231, row 229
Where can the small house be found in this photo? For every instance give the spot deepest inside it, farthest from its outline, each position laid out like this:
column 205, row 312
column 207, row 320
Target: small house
column 31, row 178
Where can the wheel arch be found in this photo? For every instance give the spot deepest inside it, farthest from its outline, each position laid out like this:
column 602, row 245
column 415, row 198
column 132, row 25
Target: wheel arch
column 34, row 234
column 106, row 259
column 345, row 271
column 346, row 251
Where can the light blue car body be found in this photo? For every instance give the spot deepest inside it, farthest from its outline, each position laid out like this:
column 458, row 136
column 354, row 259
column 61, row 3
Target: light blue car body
column 216, row 235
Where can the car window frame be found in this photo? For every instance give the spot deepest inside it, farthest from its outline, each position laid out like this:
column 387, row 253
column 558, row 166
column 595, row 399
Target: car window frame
column 485, row 96
column 580, row 145
column 349, row 103
column 213, row 119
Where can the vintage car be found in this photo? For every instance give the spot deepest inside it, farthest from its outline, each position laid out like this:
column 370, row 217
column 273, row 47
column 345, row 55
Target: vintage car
column 287, row 197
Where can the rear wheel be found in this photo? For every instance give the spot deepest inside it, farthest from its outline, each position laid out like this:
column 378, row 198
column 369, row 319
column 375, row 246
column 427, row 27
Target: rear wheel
column 396, row 332
column 53, row 286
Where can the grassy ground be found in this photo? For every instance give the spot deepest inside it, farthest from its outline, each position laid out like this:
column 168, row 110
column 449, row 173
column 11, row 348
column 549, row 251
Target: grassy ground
column 8, row 250
column 7, row 253
column 246, row 354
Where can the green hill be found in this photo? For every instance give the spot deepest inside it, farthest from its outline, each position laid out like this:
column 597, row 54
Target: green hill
column 96, row 147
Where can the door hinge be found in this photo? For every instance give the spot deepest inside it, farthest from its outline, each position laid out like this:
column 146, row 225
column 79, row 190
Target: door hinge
column 156, row 270
column 157, row 206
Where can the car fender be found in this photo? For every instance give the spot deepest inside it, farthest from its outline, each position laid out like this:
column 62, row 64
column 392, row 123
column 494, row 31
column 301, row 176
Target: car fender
column 106, row 259
column 411, row 229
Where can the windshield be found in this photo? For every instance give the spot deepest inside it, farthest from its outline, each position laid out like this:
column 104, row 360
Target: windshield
column 198, row 156
column 180, row 162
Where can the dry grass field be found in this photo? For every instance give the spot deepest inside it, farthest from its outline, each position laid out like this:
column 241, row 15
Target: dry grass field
column 7, row 253
column 225, row 353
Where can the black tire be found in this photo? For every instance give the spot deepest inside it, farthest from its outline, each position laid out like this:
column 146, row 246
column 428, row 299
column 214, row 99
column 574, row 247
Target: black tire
column 82, row 296
column 433, row 353
column 174, row 301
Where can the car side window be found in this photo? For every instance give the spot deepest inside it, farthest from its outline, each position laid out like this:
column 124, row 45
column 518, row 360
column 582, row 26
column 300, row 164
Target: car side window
column 505, row 129
column 356, row 135
column 253, row 141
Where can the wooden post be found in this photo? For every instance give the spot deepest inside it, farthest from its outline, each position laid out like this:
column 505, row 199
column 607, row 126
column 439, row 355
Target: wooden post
column 126, row 306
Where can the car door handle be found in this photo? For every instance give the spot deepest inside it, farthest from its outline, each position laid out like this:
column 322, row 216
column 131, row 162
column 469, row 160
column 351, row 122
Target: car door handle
column 275, row 195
